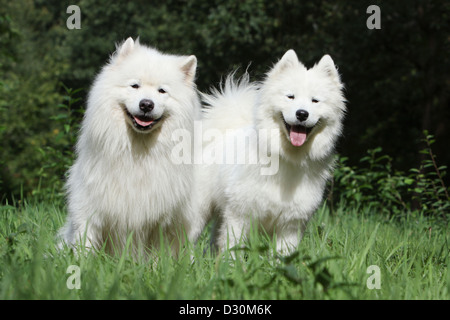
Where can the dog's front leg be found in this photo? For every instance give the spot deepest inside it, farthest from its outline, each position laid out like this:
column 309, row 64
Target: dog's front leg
column 289, row 237
column 232, row 232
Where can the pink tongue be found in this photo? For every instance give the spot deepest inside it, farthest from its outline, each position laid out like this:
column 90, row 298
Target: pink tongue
column 297, row 135
column 143, row 123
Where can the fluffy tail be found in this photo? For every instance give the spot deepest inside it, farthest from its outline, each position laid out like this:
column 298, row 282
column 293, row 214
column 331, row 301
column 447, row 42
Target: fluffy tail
column 230, row 106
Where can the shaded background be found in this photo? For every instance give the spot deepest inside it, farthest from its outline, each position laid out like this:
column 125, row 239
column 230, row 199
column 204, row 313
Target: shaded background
column 396, row 78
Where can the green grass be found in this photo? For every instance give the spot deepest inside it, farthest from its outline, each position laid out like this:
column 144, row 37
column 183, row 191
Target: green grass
column 412, row 254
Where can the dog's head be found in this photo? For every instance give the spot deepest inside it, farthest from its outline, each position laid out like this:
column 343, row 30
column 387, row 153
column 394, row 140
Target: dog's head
column 302, row 102
column 149, row 85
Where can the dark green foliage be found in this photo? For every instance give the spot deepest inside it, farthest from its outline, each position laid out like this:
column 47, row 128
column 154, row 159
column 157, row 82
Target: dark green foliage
column 396, row 78
column 58, row 156
column 374, row 183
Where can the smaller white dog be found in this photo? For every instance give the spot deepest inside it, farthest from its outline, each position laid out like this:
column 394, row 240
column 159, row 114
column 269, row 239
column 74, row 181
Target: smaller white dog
column 296, row 114
column 124, row 182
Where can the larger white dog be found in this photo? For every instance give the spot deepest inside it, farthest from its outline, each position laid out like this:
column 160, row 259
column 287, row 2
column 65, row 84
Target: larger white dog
column 296, row 115
column 123, row 182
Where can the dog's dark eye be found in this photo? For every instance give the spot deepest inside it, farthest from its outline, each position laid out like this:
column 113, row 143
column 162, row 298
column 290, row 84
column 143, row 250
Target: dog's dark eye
column 161, row 90
column 314, row 100
column 291, row 96
column 135, row 86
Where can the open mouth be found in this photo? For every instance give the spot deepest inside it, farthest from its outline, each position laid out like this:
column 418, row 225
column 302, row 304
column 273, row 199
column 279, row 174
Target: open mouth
column 297, row 133
column 143, row 122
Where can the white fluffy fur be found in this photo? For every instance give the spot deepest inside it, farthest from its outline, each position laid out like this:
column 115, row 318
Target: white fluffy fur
column 281, row 203
column 123, row 181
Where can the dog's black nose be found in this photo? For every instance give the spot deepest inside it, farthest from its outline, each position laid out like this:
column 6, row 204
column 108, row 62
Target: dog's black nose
column 146, row 105
column 302, row 115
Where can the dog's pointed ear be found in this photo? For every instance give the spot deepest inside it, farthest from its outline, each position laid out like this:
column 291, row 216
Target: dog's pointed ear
column 326, row 65
column 289, row 60
column 189, row 66
column 125, row 48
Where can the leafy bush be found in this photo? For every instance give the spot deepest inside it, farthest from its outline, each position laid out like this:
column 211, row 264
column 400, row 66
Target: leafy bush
column 58, row 157
column 429, row 190
column 376, row 184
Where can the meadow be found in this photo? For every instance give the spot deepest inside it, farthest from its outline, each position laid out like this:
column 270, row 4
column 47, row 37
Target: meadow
column 410, row 254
